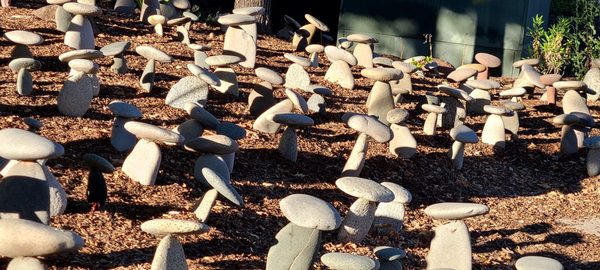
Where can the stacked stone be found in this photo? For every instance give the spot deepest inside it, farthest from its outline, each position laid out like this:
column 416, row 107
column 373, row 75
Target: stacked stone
column 192, row 88
column 121, row 139
column 181, row 28
column 153, row 55
column 511, row 122
column 402, row 144
column 489, row 61
column 389, row 216
column 454, row 104
column 200, row 54
column 241, row 34
column 593, row 157
column 288, row 30
column 97, row 191
column 574, row 125
column 149, row 7
column 461, row 135
column 261, row 98
column 316, row 103
column 380, row 100
column 157, row 21
column 494, row 130
column 404, row 85
column 339, row 71
column 389, row 257
column 363, row 51
column 347, row 261
column 434, row 112
column 314, row 50
column 367, row 126
column 22, row 59
column 288, row 144
column 80, row 33
column 296, row 76
column 574, row 101
column 22, row 40
column 550, row 93
column 529, row 77
column 310, row 33
column 299, row 241
column 174, row 8
column 75, row 97
column 479, row 91
column 117, row 51
column 227, row 76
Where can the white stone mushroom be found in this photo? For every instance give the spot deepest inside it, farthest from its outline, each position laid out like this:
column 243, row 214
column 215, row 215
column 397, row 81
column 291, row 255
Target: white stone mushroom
column 314, row 50
column 75, row 98
column 86, row 54
column 511, row 122
column 389, row 216
column 537, row 263
column 316, row 103
column 593, row 157
column 380, row 100
column 339, row 71
column 404, row 85
column 121, row 139
column 434, row 111
column 22, row 39
column 532, row 62
column 309, row 33
column 403, row 144
column 296, row 76
column 227, row 76
column 240, row 37
column 361, row 214
column 367, row 126
column 80, row 34
column 299, row 241
column 363, row 51
column 461, row 135
column 117, row 51
column 288, row 144
column 158, row 21
column 183, row 33
column 153, row 55
column 570, row 138
column 493, row 130
column 489, row 61
column 261, row 97
column 192, row 88
column 574, row 101
column 451, row 246
column 23, row 66
column 200, row 54
column 454, row 104
column 479, row 91
column 529, row 78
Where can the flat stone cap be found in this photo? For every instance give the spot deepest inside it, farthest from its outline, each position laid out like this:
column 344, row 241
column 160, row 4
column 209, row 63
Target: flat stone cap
column 455, row 210
column 513, row 92
column 178, row 21
column 569, row 85
column 199, row 47
column 316, row 22
column 84, row 65
column 488, row 60
column 361, row 38
column 152, row 133
column 27, row 63
column 303, row 61
column 381, row 74
column 97, row 162
column 334, row 53
column 291, row 119
column 157, row 19
column 549, row 79
column 319, row 89
column 592, row 142
column 269, row 75
column 24, row 37
column 314, row 48
column 434, row 108
column 531, row 62
column 512, row 105
column 463, row 134
column 19, row 144
column 370, row 126
column 365, row 188
column 181, row 4
column 200, row 114
column 82, row 9
column 32, row 122
column 89, row 54
column 222, row 60
column 115, row 48
column 461, row 74
column 475, row 66
column 532, row 75
column 454, row 92
column 480, row 84
column 222, row 185
column 204, row 74
column 24, row 238
column 383, row 61
column 162, row 227
column 497, row 110
column 124, row 109
column 152, row 53
column 58, row 2
column 404, row 67
column 401, row 194
column 252, row 11
column 213, row 144
column 396, row 116
column 310, row 212
column 236, row 19
column 346, row 261
column 389, row 254
column 566, row 119
column 538, row 263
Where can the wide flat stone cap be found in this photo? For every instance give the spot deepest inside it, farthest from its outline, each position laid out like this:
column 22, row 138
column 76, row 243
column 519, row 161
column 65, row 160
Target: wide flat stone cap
column 27, row 63
column 24, row 37
column 213, row 144
column 480, row 84
column 434, row 108
column 152, row 53
column 569, row 85
column 455, row 210
column 84, row 65
column 549, row 79
column 512, row 105
column 387, row 253
column 252, row 11
column 124, row 109
column 163, row 226
column 531, row 62
column 200, row 114
column 513, row 92
column 319, row 89
column 566, row 119
column 592, row 142
column 178, row 21
column 19, row 144
column 314, row 48
column 97, row 162
column 199, row 47
column 316, row 22
column 488, row 60
column 370, row 126
column 584, row 119
column 152, row 133
column 462, row 74
column 497, row 110
column 181, row 4
column 157, row 19
column 383, row 61
column 532, row 75
column 401, row 194
column 115, row 48
column 404, row 67
column 538, row 263
column 361, row 38
column 381, row 74
column 346, row 261
column 396, row 116
column 335, row 53
column 454, row 92
column 82, row 9
column 269, row 75
column 303, row 61
column 463, row 134
column 222, row 60
column 365, row 188
column 89, row 54
column 291, row 119
column 310, row 212
column 204, row 74
column 475, row 66
column 236, row 19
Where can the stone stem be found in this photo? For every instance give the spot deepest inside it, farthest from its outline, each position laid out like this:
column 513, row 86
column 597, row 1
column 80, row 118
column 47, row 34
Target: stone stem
column 568, row 141
column 430, row 124
column 288, row 144
column 314, row 59
column 457, row 154
column 119, row 64
column 206, row 203
column 356, row 160
column 158, row 29
column 183, row 34
column 147, row 78
column 358, row 221
column 24, row 82
column 484, row 75
column 593, row 162
column 551, row 95
column 20, row 51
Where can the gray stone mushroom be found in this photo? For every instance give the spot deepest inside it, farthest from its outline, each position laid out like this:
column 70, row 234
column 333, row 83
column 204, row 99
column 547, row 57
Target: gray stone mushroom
column 574, row 129
column 461, row 135
column 361, row 214
column 23, row 66
column 454, row 103
column 514, row 94
column 593, row 157
column 550, row 95
column 33, row 125
column 529, row 78
column 389, row 257
column 347, row 261
column 402, row 144
column 404, row 85
column 62, row 18
column 314, row 50
column 183, row 33
column 537, row 263
column 451, row 246
column 511, row 122
column 261, row 97
column 430, row 124
column 121, row 139
column 363, row 51
column 200, row 54
column 75, row 97
column 143, row 162
column 479, row 91
column 489, row 61
column 193, row 18
column 117, row 51
column 316, row 103
column 380, row 100
column 299, row 241
column 344, row 43
column 380, row 61
column 240, row 37
column 309, row 33
column 80, row 34
column 460, row 75
column 218, row 144
column 493, row 130
column 192, row 88
column 296, row 76
column 149, row 7
column 339, row 72
column 389, row 216
column 290, row 26
column 153, row 55
column 288, row 144
column 367, row 126
column 157, row 21
column 22, row 39
column 227, row 76
column 572, row 100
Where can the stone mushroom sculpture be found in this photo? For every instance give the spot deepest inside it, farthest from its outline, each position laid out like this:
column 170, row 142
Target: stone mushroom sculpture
column 309, row 33
column 573, row 131
column 389, row 216
column 593, row 157
column 461, row 135
column 572, row 100
column 316, row 103
column 288, row 144
column 183, row 34
column 389, row 257
column 200, row 54
column 432, row 117
column 240, row 37
column 363, row 51
column 80, row 34
column 169, row 252
column 143, row 162
column 75, row 97
column 289, row 28
column 23, row 66
column 451, row 246
column 339, row 71
column 367, row 126
column 117, row 51
column 153, row 55
column 479, row 91
column 296, row 76
column 380, row 100
column 149, row 7
column 361, row 214
column 460, row 75
column 261, row 97
column 493, row 130
column 403, row 144
column 404, row 85
column 157, row 21
column 454, row 104
column 514, row 94
column 121, row 139
column 299, row 241
column 314, row 50
column 550, row 94
column 511, row 122
column 227, row 76
column 489, row 61
column 192, row 88
column 33, row 124
column 529, row 78
column 22, row 39
column 96, row 186
column 537, row 262
column 347, row 261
